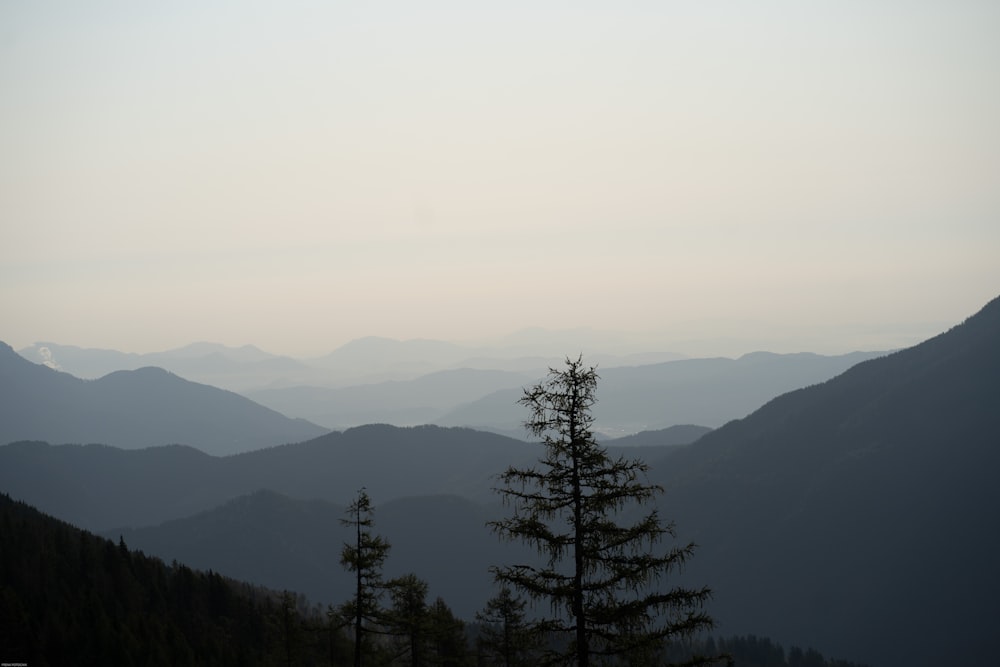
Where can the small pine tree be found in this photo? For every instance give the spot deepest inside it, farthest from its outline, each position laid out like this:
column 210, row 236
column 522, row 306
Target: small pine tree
column 505, row 636
column 365, row 558
column 408, row 618
column 449, row 645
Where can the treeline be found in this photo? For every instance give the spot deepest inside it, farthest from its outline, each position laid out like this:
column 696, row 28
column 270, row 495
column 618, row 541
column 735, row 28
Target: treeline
column 68, row 597
column 752, row 651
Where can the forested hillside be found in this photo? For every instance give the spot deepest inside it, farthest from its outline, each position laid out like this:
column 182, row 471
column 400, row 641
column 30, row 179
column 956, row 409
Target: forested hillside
column 68, row 597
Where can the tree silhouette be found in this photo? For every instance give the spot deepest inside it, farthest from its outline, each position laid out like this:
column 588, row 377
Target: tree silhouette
column 447, row 634
column 603, row 579
column 408, row 618
column 365, row 558
column 505, row 636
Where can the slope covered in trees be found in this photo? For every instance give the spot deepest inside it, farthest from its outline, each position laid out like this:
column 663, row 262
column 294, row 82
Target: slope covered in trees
column 68, row 597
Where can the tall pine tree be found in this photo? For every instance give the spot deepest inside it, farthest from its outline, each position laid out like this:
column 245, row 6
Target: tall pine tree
column 605, row 580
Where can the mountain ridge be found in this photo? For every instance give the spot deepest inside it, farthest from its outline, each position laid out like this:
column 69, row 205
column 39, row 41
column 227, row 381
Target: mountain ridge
column 884, row 475
column 136, row 408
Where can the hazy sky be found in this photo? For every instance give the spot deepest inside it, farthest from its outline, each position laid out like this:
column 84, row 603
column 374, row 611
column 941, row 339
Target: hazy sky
column 297, row 174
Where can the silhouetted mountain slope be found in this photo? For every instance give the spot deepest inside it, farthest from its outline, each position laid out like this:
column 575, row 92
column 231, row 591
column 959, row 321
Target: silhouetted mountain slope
column 688, row 391
column 70, row 598
column 673, row 436
column 263, row 537
column 391, row 462
column 131, row 409
column 101, row 488
column 283, row 543
column 858, row 515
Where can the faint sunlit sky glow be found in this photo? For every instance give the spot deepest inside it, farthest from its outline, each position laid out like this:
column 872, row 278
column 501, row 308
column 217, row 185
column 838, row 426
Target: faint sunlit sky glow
column 821, row 176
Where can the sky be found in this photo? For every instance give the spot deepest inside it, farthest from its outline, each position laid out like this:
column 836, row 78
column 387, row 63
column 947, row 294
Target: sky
column 820, row 176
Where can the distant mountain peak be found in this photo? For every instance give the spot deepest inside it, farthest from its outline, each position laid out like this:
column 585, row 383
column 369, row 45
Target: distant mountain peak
column 134, row 408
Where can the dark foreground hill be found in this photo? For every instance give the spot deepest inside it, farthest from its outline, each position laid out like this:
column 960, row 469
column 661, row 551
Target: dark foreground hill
column 132, row 409
column 68, row 597
column 859, row 516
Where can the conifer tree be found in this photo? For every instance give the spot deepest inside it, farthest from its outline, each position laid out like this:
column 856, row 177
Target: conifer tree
column 605, row 581
column 408, row 618
column 447, row 633
column 505, row 636
column 365, row 558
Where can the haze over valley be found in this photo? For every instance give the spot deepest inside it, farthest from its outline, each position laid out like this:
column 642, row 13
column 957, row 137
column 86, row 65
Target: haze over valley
column 442, row 383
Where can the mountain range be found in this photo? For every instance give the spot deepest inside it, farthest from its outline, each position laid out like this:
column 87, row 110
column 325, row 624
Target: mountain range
column 98, row 487
column 421, row 400
column 855, row 515
column 708, row 392
column 363, row 361
column 120, row 408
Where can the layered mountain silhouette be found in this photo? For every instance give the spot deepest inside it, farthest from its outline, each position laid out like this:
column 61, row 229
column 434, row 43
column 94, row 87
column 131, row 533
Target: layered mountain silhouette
column 233, row 368
column 101, row 488
column 407, row 383
column 368, row 360
column 709, row 392
column 672, row 436
column 855, row 516
column 400, row 402
column 432, row 487
column 132, row 409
